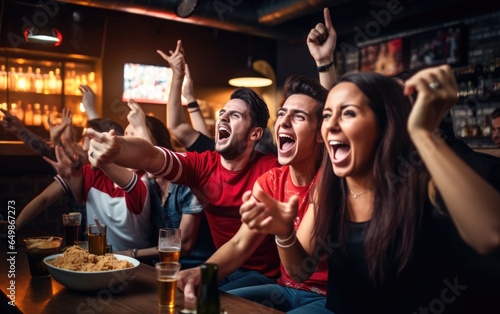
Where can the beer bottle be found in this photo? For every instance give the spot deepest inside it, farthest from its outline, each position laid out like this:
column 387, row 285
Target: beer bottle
column 208, row 294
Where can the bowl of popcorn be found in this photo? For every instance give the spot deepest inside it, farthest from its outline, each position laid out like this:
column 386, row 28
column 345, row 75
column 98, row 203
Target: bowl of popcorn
column 78, row 270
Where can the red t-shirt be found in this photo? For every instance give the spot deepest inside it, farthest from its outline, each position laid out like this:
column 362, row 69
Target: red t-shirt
column 278, row 184
column 219, row 190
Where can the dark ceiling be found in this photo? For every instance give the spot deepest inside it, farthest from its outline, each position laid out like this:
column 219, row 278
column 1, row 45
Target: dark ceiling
column 290, row 20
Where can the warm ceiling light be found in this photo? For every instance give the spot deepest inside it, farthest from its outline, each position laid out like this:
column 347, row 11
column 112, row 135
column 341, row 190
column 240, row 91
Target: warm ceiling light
column 248, row 77
column 43, row 35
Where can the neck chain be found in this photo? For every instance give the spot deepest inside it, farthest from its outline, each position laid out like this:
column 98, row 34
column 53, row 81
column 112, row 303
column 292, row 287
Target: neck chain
column 355, row 195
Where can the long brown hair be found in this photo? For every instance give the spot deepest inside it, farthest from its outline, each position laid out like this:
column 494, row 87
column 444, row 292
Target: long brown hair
column 400, row 184
column 159, row 132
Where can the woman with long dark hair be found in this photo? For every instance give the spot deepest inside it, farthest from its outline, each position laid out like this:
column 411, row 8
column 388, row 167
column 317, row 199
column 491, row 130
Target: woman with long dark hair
column 394, row 202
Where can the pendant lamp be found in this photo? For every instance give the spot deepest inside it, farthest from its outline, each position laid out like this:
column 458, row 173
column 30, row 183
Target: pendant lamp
column 248, row 77
column 43, row 35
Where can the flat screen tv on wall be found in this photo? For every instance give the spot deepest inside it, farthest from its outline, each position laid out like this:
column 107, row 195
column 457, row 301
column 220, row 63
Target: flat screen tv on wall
column 443, row 45
column 146, row 83
column 385, row 58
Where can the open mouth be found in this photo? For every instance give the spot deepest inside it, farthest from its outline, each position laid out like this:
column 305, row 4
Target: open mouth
column 340, row 150
column 224, row 132
column 286, row 142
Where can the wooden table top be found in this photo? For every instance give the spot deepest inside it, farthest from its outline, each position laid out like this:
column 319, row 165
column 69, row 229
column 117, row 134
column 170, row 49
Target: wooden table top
column 46, row 295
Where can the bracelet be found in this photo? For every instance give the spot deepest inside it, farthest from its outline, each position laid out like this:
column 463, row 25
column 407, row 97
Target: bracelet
column 279, row 242
column 193, row 104
column 324, row 68
column 195, row 110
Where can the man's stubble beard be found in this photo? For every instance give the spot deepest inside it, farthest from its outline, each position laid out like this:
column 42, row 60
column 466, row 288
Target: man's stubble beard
column 235, row 148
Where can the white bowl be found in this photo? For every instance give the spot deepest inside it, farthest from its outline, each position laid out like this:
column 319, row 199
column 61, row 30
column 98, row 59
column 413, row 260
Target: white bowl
column 92, row 280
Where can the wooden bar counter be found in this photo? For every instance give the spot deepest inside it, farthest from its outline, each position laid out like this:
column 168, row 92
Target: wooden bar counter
column 139, row 294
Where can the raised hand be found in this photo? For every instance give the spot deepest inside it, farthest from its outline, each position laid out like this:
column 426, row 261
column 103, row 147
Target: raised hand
column 437, row 92
column 11, row 123
column 136, row 116
column 63, row 163
column 76, row 153
column 322, row 40
column 175, row 59
column 104, row 147
column 64, row 130
column 264, row 214
column 88, row 101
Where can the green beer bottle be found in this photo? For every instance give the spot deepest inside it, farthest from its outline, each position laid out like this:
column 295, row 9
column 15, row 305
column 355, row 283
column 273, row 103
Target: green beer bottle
column 208, row 294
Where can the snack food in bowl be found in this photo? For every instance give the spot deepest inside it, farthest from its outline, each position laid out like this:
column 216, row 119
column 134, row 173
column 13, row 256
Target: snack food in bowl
column 37, row 248
column 78, row 270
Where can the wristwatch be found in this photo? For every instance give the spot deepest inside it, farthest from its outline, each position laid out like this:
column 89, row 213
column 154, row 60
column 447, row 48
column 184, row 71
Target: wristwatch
column 133, row 252
column 324, row 68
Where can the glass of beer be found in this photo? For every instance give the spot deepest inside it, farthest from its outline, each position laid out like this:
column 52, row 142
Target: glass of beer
column 71, row 224
column 169, row 244
column 37, row 249
column 166, row 276
column 97, row 239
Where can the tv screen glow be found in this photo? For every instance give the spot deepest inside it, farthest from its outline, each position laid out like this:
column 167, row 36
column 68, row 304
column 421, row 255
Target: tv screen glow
column 385, row 58
column 444, row 45
column 146, row 83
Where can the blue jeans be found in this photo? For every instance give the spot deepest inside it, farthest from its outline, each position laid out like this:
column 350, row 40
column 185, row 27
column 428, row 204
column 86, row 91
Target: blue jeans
column 244, row 278
column 284, row 299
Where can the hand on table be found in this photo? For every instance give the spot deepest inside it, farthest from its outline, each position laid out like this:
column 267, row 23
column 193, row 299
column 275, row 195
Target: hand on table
column 189, row 280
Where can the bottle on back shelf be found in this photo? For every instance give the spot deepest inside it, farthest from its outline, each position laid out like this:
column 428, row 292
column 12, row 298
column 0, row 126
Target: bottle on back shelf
column 28, row 115
column 3, row 77
column 475, row 130
column 30, row 80
column 45, row 117
column 464, row 128
column 37, row 115
column 486, row 127
column 38, row 81
column 21, row 80
column 13, row 79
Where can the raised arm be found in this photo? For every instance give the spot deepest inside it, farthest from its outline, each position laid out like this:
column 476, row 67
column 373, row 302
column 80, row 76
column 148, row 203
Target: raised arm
column 472, row 203
column 13, row 125
column 137, row 119
column 68, row 165
column 178, row 126
column 197, row 119
column 88, row 101
column 68, row 180
column 43, row 200
column 123, row 177
column 129, row 152
column 321, row 42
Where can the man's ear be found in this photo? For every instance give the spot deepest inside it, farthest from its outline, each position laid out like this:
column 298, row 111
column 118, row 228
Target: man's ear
column 256, row 134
